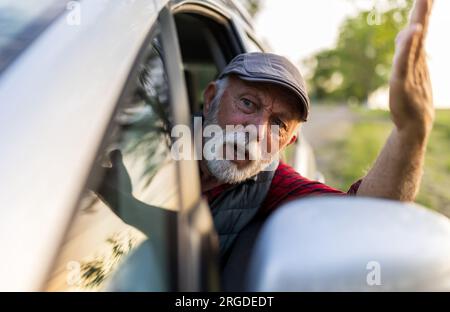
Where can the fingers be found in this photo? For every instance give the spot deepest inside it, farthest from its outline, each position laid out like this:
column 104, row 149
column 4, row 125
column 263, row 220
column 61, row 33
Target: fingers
column 421, row 14
column 410, row 41
column 115, row 156
column 406, row 50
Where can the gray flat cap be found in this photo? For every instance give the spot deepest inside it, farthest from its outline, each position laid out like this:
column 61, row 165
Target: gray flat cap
column 272, row 68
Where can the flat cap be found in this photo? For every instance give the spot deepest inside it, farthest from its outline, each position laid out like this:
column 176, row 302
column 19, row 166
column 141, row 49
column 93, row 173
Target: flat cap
column 271, row 68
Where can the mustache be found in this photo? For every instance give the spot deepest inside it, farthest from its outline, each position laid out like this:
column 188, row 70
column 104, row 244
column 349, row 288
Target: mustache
column 237, row 145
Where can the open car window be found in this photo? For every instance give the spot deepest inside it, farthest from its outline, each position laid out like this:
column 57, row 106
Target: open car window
column 207, row 44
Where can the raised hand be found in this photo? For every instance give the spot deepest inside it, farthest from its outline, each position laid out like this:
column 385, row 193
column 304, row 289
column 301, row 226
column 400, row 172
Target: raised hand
column 397, row 172
column 411, row 100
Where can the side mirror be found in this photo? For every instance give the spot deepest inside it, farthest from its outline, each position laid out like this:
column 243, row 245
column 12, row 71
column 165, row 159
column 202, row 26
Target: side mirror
column 352, row 244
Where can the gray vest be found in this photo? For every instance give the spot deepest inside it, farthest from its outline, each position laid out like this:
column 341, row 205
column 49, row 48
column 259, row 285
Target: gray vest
column 235, row 207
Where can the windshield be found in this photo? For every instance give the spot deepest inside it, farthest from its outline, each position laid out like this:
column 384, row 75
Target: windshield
column 21, row 22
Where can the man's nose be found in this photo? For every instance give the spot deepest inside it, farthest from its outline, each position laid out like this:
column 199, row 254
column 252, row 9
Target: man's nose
column 261, row 131
column 261, row 125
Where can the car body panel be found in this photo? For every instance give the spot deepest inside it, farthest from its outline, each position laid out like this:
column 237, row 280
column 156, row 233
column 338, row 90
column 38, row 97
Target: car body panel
column 52, row 121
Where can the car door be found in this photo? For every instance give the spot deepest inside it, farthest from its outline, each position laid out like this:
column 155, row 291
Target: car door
column 134, row 227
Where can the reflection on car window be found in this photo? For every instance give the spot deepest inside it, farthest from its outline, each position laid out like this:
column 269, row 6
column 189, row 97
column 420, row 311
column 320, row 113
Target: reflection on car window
column 133, row 195
column 21, row 22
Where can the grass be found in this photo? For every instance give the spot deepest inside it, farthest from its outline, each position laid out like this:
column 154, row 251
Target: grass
column 350, row 157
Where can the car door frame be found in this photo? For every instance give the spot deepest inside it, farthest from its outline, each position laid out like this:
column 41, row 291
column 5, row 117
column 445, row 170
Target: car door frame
column 184, row 249
column 198, row 244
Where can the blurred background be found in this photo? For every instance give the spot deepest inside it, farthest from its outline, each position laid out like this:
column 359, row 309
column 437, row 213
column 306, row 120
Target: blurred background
column 345, row 48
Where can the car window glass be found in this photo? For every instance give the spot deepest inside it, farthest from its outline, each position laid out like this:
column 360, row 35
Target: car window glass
column 132, row 197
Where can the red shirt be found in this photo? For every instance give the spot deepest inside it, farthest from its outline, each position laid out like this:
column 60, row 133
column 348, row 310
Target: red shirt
column 287, row 184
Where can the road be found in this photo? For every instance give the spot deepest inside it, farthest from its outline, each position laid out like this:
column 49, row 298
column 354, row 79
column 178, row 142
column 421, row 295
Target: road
column 326, row 124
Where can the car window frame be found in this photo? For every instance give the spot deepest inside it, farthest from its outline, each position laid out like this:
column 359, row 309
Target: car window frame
column 202, row 274
column 190, row 195
column 251, row 40
column 196, row 225
column 217, row 14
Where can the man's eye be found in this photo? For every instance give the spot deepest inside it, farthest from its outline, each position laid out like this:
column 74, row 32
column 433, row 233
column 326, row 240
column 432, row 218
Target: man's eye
column 279, row 123
column 247, row 103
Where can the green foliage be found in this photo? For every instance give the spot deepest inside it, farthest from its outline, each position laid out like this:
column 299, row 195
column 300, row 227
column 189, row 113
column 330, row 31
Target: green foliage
column 354, row 154
column 94, row 272
column 434, row 192
column 361, row 61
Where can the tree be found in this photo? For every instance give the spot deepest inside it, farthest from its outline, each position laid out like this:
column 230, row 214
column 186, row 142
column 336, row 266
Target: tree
column 361, row 60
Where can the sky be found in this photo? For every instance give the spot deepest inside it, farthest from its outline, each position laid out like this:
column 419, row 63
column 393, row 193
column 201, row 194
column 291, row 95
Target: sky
column 316, row 23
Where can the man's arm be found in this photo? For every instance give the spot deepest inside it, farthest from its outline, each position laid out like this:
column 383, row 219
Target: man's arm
column 397, row 171
column 115, row 190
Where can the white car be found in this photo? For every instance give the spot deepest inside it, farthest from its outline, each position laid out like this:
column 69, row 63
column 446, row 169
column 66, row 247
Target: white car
column 80, row 79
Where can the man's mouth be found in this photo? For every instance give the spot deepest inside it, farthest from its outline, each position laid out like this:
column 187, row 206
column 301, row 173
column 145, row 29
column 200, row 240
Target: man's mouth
column 238, row 154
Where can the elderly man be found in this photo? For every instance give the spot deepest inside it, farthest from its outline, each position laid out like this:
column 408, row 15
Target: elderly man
column 265, row 90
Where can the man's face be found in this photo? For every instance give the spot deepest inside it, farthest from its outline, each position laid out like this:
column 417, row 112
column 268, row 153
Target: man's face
column 257, row 104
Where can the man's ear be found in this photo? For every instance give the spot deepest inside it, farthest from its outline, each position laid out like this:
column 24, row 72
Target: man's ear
column 296, row 133
column 208, row 96
column 293, row 140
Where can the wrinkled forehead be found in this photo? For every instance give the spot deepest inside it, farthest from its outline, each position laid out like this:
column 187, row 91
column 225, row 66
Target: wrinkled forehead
column 282, row 99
